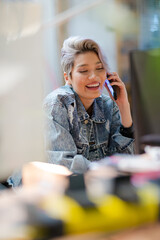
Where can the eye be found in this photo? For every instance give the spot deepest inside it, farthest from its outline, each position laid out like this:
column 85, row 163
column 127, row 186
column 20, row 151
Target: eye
column 100, row 68
column 83, row 71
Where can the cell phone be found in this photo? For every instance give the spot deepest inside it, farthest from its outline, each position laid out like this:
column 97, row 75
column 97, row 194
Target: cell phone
column 112, row 91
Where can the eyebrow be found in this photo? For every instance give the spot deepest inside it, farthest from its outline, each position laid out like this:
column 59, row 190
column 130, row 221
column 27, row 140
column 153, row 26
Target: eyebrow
column 84, row 65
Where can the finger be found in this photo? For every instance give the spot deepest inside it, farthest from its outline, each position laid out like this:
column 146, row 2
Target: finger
column 109, row 74
column 114, row 79
column 114, row 74
column 117, row 83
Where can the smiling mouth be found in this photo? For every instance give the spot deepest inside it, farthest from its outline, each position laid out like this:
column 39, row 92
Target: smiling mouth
column 95, row 85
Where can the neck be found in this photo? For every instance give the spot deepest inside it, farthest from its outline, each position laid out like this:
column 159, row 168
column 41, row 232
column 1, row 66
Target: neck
column 87, row 104
column 89, row 110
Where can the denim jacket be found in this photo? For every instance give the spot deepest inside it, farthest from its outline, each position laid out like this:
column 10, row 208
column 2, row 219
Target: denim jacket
column 75, row 139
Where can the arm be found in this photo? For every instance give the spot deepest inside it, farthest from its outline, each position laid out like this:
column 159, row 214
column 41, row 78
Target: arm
column 118, row 141
column 122, row 99
column 60, row 146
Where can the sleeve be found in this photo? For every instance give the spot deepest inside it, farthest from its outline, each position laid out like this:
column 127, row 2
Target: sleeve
column 121, row 140
column 15, row 180
column 60, row 145
column 127, row 132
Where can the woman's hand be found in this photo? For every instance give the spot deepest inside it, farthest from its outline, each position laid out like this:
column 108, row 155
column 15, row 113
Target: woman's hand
column 122, row 98
column 119, row 87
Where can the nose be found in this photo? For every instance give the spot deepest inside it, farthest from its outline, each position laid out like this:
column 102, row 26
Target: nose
column 92, row 76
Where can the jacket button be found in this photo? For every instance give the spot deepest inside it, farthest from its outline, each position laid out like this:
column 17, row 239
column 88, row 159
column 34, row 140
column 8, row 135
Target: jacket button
column 86, row 121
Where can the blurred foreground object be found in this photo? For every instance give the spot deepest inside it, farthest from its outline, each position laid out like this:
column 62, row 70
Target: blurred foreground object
column 145, row 86
column 21, row 86
column 47, row 175
column 62, row 204
column 108, row 213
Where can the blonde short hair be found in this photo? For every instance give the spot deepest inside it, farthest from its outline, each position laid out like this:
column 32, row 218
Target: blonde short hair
column 76, row 45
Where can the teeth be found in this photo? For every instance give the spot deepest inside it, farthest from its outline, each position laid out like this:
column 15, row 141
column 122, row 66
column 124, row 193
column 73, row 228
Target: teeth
column 93, row 85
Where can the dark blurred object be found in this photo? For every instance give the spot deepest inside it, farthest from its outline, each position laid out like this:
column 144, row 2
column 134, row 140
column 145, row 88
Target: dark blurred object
column 4, row 185
column 77, row 190
column 119, row 186
column 145, row 86
column 45, row 227
column 151, row 139
column 124, row 189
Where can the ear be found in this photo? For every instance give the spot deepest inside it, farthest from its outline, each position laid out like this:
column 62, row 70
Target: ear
column 67, row 79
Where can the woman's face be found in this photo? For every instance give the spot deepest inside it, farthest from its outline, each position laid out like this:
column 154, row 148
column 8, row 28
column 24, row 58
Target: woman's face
column 87, row 77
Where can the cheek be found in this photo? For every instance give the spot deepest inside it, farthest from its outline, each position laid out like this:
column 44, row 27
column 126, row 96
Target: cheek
column 103, row 82
column 78, row 84
column 103, row 79
column 80, row 81
column 103, row 75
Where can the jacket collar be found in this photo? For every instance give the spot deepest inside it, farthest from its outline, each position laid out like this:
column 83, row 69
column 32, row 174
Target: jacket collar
column 98, row 110
column 73, row 99
column 97, row 113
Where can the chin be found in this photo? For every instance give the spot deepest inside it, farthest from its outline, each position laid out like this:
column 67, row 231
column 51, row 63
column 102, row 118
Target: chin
column 95, row 96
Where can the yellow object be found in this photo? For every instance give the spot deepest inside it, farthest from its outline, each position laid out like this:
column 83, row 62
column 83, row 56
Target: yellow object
column 109, row 214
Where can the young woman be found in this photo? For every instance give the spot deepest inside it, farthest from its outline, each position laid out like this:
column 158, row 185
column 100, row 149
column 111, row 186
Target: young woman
column 84, row 125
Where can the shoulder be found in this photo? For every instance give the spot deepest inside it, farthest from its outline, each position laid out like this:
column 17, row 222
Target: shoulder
column 108, row 104
column 105, row 98
column 58, row 98
column 58, row 95
column 107, row 101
